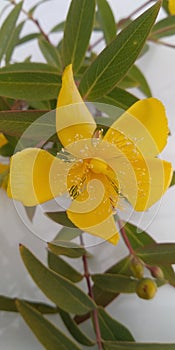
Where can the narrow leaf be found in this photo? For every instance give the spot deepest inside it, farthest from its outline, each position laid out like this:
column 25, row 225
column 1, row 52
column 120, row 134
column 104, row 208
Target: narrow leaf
column 163, row 28
column 70, row 249
column 30, row 211
column 13, row 42
column 107, row 20
column 9, row 304
column 74, row 330
column 136, row 74
column 115, row 283
column 30, row 81
column 7, row 29
column 57, row 288
column 112, row 329
column 28, row 37
column 155, row 254
column 108, row 345
column 78, row 28
column 173, row 179
column 137, row 239
column 49, row 336
column 60, row 217
column 67, row 234
column 119, row 98
column 61, row 267
column 15, row 123
column 51, row 54
column 117, row 58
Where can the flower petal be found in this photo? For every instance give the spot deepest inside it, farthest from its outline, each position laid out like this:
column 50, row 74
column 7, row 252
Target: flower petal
column 92, row 211
column 36, row 176
column 3, row 140
column 171, row 7
column 144, row 181
column 144, row 124
column 73, row 119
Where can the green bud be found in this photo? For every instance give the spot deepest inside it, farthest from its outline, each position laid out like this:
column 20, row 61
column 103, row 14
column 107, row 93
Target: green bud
column 146, row 288
column 157, row 272
column 136, row 267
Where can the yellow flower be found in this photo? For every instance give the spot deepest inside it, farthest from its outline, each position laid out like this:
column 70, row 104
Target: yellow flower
column 3, row 167
column 96, row 172
column 171, row 7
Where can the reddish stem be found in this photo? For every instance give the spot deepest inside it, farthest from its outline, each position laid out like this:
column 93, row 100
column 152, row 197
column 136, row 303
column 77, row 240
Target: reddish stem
column 125, row 238
column 91, row 294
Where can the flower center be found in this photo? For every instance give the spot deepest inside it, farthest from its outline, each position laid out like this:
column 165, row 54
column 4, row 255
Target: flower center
column 98, row 166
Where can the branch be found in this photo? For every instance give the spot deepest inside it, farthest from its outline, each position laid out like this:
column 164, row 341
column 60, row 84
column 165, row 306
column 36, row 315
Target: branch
column 91, row 294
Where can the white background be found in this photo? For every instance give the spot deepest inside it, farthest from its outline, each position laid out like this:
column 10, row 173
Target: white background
column 149, row 321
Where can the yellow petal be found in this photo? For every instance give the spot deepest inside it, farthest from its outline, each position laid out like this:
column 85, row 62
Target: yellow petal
column 3, row 168
column 36, row 176
column 171, row 7
column 144, row 182
column 73, row 119
column 159, row 178
column 92, row 211
column 144, row 125
column 3, row 140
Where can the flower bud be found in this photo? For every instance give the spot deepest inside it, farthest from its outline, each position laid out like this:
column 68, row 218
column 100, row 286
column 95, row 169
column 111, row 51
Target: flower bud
column 146, row 288
column 157, row 272
column 136, row 267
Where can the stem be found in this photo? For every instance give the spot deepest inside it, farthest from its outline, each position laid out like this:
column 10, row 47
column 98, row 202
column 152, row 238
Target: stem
column 160, row 42
column 91, row 294
column 120, row 23
column 124, row 235
column 35, row 21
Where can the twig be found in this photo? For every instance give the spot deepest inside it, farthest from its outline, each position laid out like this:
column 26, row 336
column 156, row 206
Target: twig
column 125, row 238
column 35, row 21
column 120, row 23
column 91, row 294
column 162, row 43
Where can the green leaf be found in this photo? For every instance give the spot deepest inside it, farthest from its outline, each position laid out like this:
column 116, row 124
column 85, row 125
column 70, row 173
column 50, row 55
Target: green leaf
column 103, row 297
column 163, row 28
column 13, row 43
column 7, row 29
column 115, row 283
column 60, row 217
column 25, row 39
column 158, row 253
column 78, row 28
column 75, row 330
column 30, row 211
column 136, row 74
column 137, row 239
column 173, row 180
column 58, row 28
column 106, row 20
column 70, row 249
column 119, row 98
column 51, row 54
column 112, row 329
column 57, row 288
column 116, row 59
column 67, row 234
column 32, row 10
column 9, row 304
column 4, row 103
column 30, row 81
column 169, row 274
column 61, row 267
column 49, row 336
column 39, row 124
column 109, row 345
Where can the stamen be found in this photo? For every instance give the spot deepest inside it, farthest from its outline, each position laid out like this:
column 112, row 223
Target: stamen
column 74, row 192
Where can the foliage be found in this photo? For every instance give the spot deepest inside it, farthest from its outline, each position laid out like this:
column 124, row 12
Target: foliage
column 27, row 91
